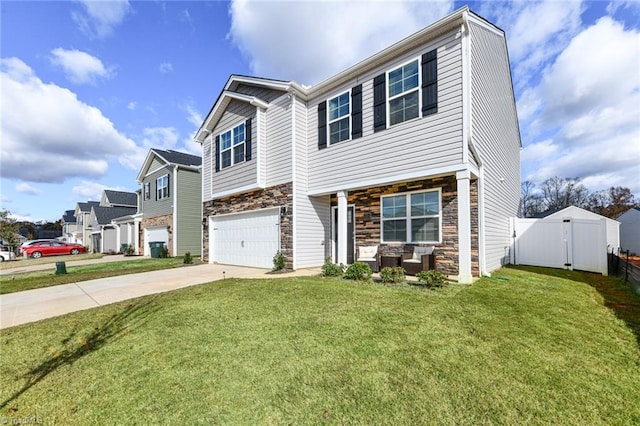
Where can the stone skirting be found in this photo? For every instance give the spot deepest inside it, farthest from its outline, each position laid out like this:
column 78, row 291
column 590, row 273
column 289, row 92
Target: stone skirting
column 275, row 196
column 368, row 227
column 152, row 222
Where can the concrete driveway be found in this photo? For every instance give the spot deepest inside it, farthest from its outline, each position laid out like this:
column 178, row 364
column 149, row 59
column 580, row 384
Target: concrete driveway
column 34, row 305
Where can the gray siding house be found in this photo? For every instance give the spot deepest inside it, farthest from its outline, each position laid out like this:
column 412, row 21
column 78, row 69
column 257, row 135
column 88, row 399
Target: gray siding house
column 417, row 145
column 170, row 202
column 82, row 214
column 113, row 205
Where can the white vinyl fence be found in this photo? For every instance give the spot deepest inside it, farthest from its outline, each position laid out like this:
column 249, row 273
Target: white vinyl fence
column 560, row 243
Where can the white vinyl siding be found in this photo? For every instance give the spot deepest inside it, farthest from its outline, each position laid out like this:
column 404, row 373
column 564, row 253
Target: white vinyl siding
column 423, row 144
column 496, row 139
column 278, row 138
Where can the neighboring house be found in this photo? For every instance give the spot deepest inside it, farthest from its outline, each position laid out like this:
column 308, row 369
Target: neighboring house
column 416, row 145
column 83, row 231
column 128, row 228
column 630, row 230
column 111, row 198
column 69, row 227
column 104, row 236
column 171, row 202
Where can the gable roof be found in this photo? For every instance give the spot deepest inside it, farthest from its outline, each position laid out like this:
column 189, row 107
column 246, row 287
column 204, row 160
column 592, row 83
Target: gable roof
column 104, row 215
column 121, row 198
column 69, row 216
column 86, row 207
column 570, row 212
column 177, row 157
column 170, row 157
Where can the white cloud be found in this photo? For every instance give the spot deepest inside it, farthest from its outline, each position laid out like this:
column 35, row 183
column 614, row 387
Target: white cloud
column 79, row 67
column 132, row 105
column 101, row 17
column 166, row 68
column 5, row 199
column 25, row 188
column 92, row 191
column 48, row 134
column 277, row 37
column 589, row 101
column 152, row 137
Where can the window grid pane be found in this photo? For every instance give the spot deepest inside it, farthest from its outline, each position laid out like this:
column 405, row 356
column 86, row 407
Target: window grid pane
column 411, row 217
column 339, row 106
column 394, row 206
column 403, row 79
column 403, row 108
column 339, row 131
column 424, row 229
column 238, row 154
column 238, row 134
column 395, row 230
column 225, row 140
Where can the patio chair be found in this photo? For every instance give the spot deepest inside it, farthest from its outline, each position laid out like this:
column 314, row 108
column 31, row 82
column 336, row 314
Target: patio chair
column 422, row 259
column 370, row 256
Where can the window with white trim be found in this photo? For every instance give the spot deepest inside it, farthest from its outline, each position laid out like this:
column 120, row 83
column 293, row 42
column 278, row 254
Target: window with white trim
column 147, row 190
column 403, row 85
column 339, row 119
column 162, row 187
column 413, row 217
column 232, row 146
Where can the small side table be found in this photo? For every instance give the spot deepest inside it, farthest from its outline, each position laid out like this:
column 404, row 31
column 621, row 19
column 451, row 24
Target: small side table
column 390, row 260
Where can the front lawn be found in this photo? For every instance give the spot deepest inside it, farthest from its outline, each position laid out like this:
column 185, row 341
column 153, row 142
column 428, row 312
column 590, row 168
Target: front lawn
column 526, row 346
column 39, row 279
column 21, row 261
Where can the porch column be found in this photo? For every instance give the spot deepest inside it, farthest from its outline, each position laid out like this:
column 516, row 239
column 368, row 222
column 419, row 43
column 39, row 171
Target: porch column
column 136, row 237
column 342, row 227
column 464, row 227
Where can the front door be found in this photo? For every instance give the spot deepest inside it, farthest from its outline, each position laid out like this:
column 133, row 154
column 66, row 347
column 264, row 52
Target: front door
column 350, row 239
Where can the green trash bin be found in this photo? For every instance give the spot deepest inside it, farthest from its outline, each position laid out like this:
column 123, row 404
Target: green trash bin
column 61, row 268
column 156, row 248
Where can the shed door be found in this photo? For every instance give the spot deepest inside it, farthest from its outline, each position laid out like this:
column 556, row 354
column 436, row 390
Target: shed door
column 246, row 239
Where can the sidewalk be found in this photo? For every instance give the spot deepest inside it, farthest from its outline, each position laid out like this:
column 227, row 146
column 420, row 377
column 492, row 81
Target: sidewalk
column 33, row 305
column 26, row 267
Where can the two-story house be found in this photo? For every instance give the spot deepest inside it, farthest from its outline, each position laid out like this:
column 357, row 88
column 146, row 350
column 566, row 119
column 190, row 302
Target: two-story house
column 417, row 145
column 113, row 204
column 171, row 202
column 82, row 214
column 69, row 227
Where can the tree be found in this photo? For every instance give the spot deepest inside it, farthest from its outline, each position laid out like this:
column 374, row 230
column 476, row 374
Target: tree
column 8, row 229
column 530, row 200
column 558, row 193
column 612, row 202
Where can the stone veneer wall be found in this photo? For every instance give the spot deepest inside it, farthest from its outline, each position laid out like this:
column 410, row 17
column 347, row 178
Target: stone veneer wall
column 152, row 222
column 368, row 228
column 275, row 196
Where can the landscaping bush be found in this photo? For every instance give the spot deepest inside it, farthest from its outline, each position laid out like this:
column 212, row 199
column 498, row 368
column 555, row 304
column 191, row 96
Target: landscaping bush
column 128, row 250
column 358, row 271
column 432, row 279
column 165, row 252
column 330, row 269
column 279, row 262
column 188, row 259
column 392, row 275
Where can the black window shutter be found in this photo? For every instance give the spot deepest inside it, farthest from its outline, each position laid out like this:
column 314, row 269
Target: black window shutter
column 430, row 83
column 156, row 189
column 217, row 159
column 322, row 125
column 356, row 112
column 247, row 140
column 168, row 184
column 379, row 103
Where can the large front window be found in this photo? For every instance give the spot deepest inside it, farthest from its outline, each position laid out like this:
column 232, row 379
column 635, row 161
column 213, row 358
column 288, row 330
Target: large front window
column 162, row 187
column 232, row 146
column 404, row 92
column 411, row 218
column 339, row 121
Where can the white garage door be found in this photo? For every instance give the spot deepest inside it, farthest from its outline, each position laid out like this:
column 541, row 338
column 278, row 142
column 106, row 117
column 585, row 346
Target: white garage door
column 246, row 239
column 155, row 234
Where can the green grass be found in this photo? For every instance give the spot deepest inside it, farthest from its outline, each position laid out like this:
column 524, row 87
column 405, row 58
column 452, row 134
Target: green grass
column 39, row 279
column 527, row 346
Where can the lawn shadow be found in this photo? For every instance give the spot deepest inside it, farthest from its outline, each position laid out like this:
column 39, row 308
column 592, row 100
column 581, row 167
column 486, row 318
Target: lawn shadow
column 617, row 296
column 77, row 345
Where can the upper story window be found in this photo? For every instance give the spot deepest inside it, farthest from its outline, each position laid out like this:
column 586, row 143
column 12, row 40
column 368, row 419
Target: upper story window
column 406, row 92
column 232, row 146
column 339, row 118
column 162, row 187
column 412, row 217
column 147, row 190
column 403, row 87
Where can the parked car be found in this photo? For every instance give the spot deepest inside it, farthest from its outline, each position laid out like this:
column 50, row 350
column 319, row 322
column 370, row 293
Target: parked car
column 6, row 254
column 50, row 248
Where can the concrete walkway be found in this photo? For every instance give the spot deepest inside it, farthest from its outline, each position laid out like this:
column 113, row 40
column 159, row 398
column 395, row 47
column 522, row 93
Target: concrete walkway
column 33, row 305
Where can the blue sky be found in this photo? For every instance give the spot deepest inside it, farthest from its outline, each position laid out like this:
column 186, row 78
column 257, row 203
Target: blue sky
column 88, row 87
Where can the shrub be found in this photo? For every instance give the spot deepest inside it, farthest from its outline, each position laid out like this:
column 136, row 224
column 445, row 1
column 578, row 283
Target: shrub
column 358, row 271
column 188, row 259
column 165, row 252
column 330, row 269
column 395, row 275
column 279, row 262
column 432, row 278
column 128, row 250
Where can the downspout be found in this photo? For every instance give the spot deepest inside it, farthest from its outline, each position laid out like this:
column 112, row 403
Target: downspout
column 174, row 232
column 293, row 180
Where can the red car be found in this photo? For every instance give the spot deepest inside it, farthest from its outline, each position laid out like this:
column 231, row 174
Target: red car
column 51, row 248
